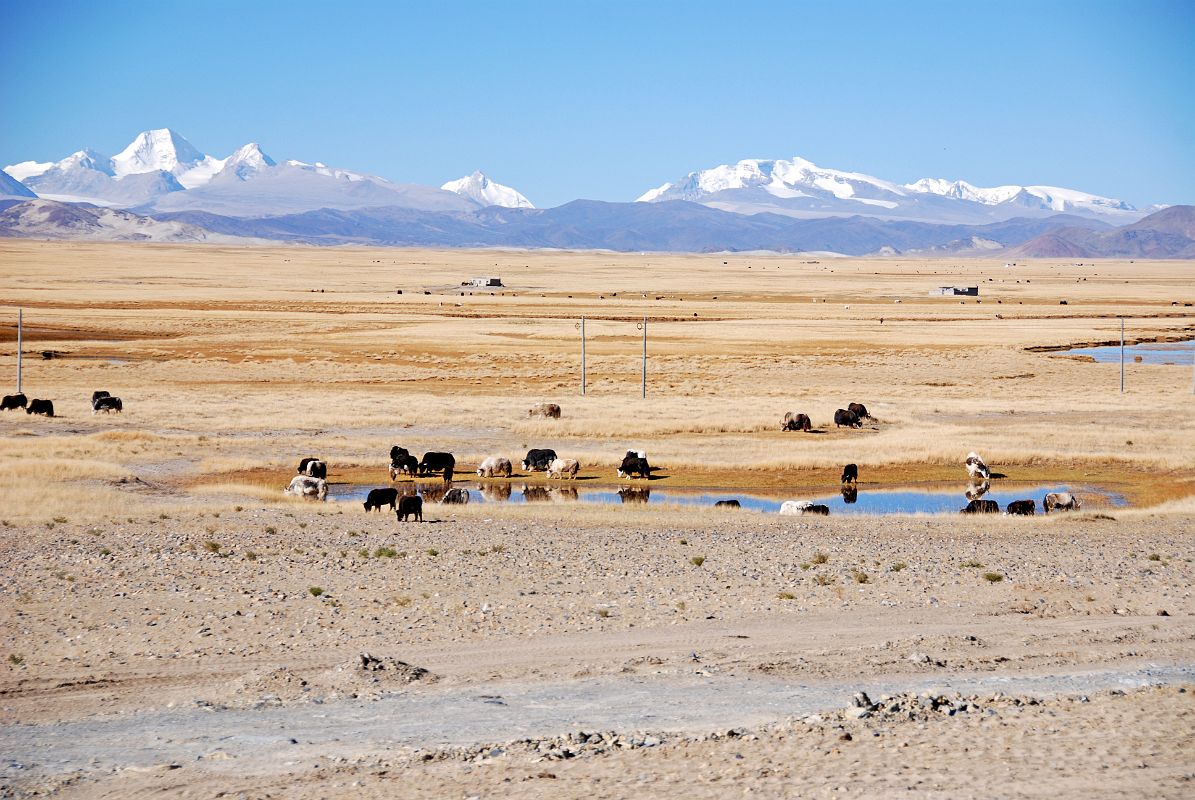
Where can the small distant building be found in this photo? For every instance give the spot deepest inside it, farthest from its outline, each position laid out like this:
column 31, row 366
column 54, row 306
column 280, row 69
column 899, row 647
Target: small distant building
column 955, row 291
column 483, row 282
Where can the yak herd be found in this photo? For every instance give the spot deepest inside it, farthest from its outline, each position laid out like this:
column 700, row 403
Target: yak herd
column 100, row 401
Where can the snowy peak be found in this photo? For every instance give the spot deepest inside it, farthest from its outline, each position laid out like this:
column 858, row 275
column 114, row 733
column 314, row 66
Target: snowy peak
column 246, row 162
column 160, row 149
column 479, row 188
column 798, row 187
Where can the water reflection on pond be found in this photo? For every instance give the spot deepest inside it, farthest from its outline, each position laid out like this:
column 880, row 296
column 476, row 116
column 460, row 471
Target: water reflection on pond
column 848, row 500
column 1144, row 353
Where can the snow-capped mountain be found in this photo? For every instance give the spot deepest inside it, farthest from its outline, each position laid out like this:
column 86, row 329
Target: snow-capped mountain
column 161, row 171
column 486, row 192
column 800, row 188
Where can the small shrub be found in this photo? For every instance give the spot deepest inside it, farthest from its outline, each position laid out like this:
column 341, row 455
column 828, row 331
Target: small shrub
column 94, row 531
column 697, row 561
column 15, row 659
column 238, row 508
column 60, row 520
column 363, row 552
column 271, row 529
column 211, row 547
column 104, row 551
column 682, row 605
column 433, row 552
column 820, row 558
column 898, row 566
column 972, row 564
column 250, row 556
column 315, row 591
column 603, row 612
column 805, row 565
column 498, row 548
column 302, row 524
column 993, row 577
column 216, row 514
column 1154, row 557
column 684, row 541
column 861, row 577
column 385, row 552
column 163, row 516
column 786, row 596
column 402, row 602
column 824, row 580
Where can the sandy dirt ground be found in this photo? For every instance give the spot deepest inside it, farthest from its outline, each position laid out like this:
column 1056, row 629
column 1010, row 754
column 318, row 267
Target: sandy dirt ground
column 170, row 625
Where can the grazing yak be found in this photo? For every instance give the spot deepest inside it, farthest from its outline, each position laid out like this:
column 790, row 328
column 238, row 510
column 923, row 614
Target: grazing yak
column 538, row 459
column 981, row 507
column 976, row 469
column 456, row 497
column 850, row 473
column 634, row 494
column 796, row 422
column 313, row 468
column 495, row 466
column 848, row 418
column 859, row 410
column 14, row 401
column 403, row 465
column 545, row 410
column 106, row 404
column 437, row 462
column 1060, row 501
column 563, row 468
column 634, row 466
column 97, row 394
column 728, row 504
column 381, row 497
column 1025, row 508
column 800, row 507
column 40, row 407
column 410, row 506
column 308, row 487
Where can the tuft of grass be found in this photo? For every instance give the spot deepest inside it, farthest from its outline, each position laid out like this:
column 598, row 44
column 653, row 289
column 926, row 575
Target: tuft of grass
column 60, row 520
column 861, row 577
column 786, row 596
column 1154, row 557
column 385, row 552
column 898, row 566
column 104, row 551
column 602, row 612
column 498, row 548
column 972, row 564
column 15, row 659
column 433, row 552
column 684, row 541
column 993, row 577
column 163, row 516
column 271, row 529
column 823, row 579
column 315, row 591
column 238, row 508
column 697, row 561
column 681, row 605
column 250, row 556
column 363, row 552
column 211, row 547
column 403, row 601
column 820, row 558
column 302, row 524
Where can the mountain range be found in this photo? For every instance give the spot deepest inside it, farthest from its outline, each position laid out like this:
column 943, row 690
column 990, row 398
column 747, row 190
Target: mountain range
column 163, row 188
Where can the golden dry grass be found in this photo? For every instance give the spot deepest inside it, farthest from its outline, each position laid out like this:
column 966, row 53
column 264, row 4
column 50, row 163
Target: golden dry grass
column 232, row 368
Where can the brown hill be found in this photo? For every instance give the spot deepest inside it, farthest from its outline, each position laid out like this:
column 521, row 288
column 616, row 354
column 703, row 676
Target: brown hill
column 1169, row 233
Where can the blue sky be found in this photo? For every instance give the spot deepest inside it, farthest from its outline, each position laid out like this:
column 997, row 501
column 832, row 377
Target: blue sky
column 607, row 99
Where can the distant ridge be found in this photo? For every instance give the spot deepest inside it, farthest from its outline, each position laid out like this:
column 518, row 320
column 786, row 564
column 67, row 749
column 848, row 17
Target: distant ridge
column 1169, row 233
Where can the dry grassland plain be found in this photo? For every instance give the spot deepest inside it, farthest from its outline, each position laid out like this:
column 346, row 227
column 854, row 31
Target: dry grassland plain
column 153, row 570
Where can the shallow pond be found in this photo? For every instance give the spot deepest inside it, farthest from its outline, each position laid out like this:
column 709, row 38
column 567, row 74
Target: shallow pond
column 1150, row 353
column 864, row 501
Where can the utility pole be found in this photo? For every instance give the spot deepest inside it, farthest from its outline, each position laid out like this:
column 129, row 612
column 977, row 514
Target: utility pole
column 643, row 388
column 20, row 341
column 582, row 327
column 1122, row 355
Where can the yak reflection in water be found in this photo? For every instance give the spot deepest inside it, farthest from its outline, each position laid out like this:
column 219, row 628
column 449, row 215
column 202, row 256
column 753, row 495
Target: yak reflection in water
column 634, row 494
column 495, row 492
column 548, row 494
column 977, row 490
column 850, row 494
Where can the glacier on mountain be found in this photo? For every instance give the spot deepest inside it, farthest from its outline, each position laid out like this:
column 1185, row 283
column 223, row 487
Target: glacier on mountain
column 486, row 192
